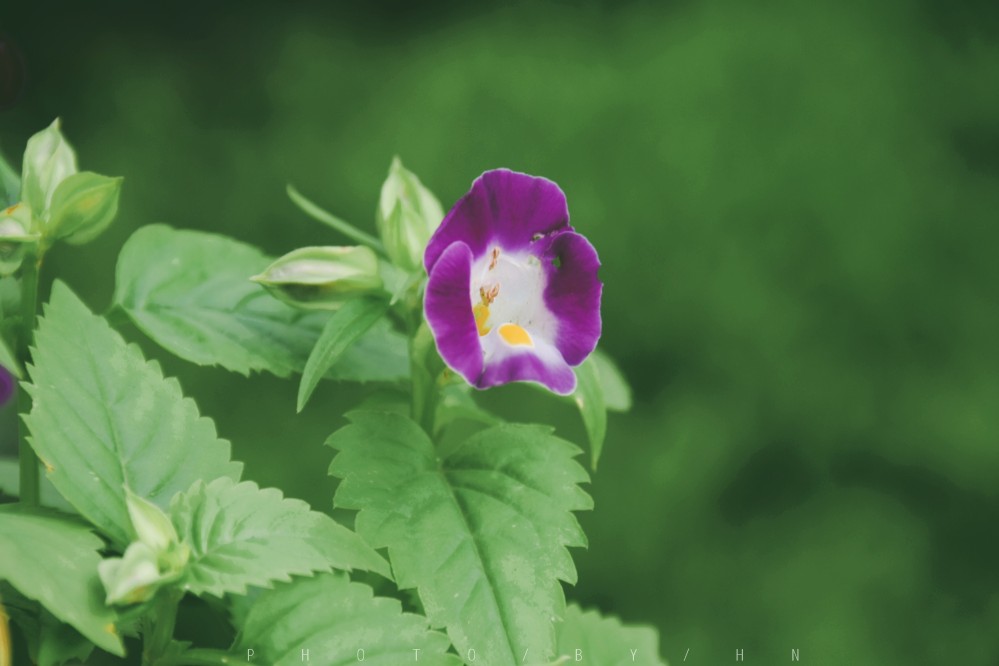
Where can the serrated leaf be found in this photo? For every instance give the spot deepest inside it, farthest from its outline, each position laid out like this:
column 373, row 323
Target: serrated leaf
column 49, row 641
column 103, row 417
column 605, row 641
column 334, row 619
column 617, row 392
column 53, row 559
column 190, row 291
column 589, row 398
column 241, row 535
column 482, row 534
column 342, row 330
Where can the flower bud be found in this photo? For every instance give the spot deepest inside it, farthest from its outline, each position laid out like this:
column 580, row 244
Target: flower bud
column 135, row 577
column 152, row 525
column 83, row 206
column 408, row 214
column 322, row 278
column 48, row 160
column 15, row 237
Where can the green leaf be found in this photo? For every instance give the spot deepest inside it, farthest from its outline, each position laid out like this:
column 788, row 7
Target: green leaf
column 334, row 222
column 481, row 533
column 53, row 560
column 241, row 535
column 10, row 184
column 589, row 398
column 617, row 392
column 83, row 206
column 334, row 619
column 103, row 417
column 605, row 641
column 10, row 484
column 190, row 292
column 49, row 641
column 342, row 330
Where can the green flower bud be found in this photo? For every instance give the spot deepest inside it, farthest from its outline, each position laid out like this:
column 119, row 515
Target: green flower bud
column 48, row 160
column 15, row 237
column 83, row 206
column 322, row 278
column 152, row 525
column 408, row 214
column 135, row 577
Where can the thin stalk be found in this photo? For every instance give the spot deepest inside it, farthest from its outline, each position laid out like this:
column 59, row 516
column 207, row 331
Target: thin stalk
column 29, row 486
column 158, row 640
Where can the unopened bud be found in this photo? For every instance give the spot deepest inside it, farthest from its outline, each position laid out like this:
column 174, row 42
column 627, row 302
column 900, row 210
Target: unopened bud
column 15, row 237
column 408, row 214
column 83, row 206
column 322, row 278
column 48, row 160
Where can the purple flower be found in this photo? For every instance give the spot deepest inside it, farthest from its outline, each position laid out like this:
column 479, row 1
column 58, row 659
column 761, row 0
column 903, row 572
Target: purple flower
column 513, row 293
column 6, row 385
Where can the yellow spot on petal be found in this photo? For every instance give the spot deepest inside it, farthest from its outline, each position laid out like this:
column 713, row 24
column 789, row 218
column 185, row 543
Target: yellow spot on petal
column 515, row 335
column 481, row 312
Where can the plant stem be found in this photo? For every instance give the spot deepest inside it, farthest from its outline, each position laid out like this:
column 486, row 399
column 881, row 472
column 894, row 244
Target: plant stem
column 165, row 618
column 29, row 307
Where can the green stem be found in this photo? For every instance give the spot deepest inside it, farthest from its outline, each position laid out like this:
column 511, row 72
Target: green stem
column 165, row 618
column 29, row 485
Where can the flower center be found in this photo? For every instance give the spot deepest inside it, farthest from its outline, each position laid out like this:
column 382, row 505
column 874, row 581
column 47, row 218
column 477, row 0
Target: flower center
column 508, row 293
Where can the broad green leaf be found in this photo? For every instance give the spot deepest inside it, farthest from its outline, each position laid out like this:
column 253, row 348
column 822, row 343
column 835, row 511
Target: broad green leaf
column 589, row 398
column 588, row 638
column 10, row 484
column 191, row 292
column 481, row 533
column 342, row 330
column 103, row 417
column 337, row 622
column 53, row 559
column 241, row 535
column 10, row 184
column 617, row 393
column 49, row 641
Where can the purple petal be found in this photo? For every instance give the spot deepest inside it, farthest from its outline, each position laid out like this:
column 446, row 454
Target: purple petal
column 448, row 307
column 542, row 363
column 503, row 208
column 573, row 294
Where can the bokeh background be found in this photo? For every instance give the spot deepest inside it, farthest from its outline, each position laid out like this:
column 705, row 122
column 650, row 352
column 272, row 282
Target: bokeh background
column 796, row 205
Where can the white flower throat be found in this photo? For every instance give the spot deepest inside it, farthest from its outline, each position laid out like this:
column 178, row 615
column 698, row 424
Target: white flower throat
column 508, row 292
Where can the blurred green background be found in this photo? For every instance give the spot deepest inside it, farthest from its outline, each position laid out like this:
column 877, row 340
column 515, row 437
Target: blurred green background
column 796, row 206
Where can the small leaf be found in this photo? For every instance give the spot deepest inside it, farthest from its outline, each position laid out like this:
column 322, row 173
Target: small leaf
column 83, row 206
column 241, row 535
column 481, row 533
column 346, row 325
column 103, row 417
column 587, row 637
column 617, row 393
column 334, row 222
column 189, row 291
column 589, row 397
column 339, row 622
column 53, row 559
